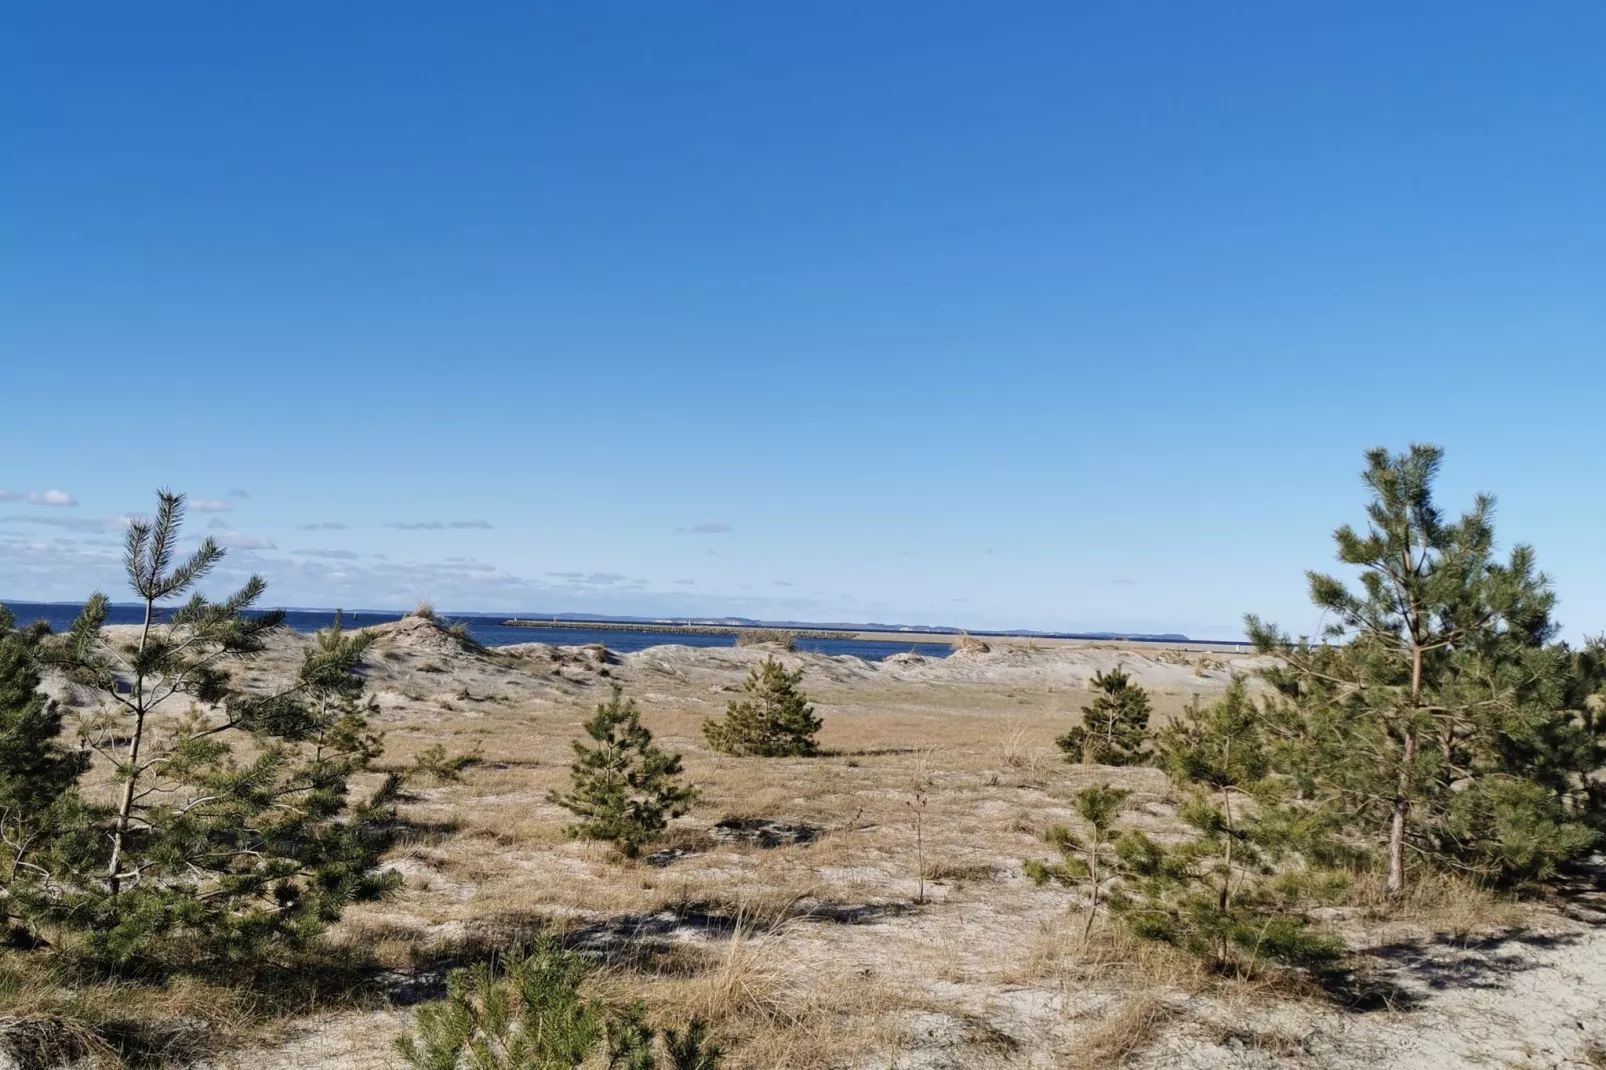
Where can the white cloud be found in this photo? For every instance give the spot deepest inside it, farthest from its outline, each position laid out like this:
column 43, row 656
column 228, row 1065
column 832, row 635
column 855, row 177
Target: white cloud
column 235, row 540
column 71, row 523
column 438, row 525
column 210, row 505
column 11, row 496
column 56, row 498
column 327, row 525
column 334, row 555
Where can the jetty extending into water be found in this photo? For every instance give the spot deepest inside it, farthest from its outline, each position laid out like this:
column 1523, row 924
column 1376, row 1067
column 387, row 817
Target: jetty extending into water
column 700, row 629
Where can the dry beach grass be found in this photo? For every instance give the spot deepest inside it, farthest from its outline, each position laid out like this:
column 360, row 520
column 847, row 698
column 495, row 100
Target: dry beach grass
column 794, row 908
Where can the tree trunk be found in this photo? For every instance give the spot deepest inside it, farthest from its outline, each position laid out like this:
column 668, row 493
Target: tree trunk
column 125, row 807
column 1225, row 898
column 1402, row 783
column 1402, row 808
column 1093, row 871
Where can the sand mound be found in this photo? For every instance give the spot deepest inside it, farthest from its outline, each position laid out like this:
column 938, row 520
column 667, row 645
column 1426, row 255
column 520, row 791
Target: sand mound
column 425, row 636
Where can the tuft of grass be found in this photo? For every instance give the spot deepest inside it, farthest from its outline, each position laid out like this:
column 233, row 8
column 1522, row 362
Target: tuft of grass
column 969, row 644
column 465, row 639
column 1133, row 1026
column 961, row 871
column 1012, row 746
column 1442, row 902
column 425, row 610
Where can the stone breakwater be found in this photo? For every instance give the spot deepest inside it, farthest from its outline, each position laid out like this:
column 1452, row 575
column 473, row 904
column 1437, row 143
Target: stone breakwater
column 688, row 629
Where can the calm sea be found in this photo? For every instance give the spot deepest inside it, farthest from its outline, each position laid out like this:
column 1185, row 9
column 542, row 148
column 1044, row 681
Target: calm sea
column 491, row 631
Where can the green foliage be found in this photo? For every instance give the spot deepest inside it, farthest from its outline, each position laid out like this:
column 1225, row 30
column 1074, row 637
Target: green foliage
column 1220, row 745
column 534, row 1017
column 1115, row 728
column 1435, row 712
column 1091, row 861
column 624, row 788
column 35, row 769
column 1514, row 827
column 217, row 852
column 1216, row 894
column 774, row 720
column 435, row 763
column 690, row 1049
column 37, row 779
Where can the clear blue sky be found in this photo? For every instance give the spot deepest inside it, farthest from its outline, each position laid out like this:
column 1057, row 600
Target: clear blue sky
column 1050, row 315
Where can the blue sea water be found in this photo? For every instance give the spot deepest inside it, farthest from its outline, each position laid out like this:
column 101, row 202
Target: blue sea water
column 492, row 632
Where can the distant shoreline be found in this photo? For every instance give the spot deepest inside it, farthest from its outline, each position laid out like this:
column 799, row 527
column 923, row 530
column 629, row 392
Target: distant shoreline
column 878, row 636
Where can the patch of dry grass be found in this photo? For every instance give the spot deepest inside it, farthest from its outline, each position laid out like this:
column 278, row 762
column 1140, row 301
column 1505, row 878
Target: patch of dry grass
column 1439, row 902
column 1136, row 1023
column 766, row 637
column 969, row 644
column 55, row 1011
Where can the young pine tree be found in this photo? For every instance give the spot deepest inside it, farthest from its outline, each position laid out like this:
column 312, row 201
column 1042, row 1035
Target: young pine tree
column 533, row 1016
column 774, row 720
column 1434, row 709
column 1091, row 860
column 624, row 787
column 221, row 854
column 1115, row 728
column 1214, row 894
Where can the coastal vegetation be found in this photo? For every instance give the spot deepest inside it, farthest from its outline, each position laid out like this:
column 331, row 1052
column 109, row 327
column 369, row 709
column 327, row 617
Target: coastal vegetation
column 227, row 832
column 773, row 720
column 201, row 822
column 1115, row 726
column 624, row 788
column 530, row 1014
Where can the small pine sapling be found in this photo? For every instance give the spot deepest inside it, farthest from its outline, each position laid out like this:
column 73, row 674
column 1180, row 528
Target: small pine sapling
column 533, row 1016
column 1091, row 860
column 624, row 787
column 773, row 720
column 1114, row 728
column 231, row 827
column 437, row 764
column 1214, row 895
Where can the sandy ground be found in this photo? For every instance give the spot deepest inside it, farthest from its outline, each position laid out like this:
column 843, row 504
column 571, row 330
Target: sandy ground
column 866, row 909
